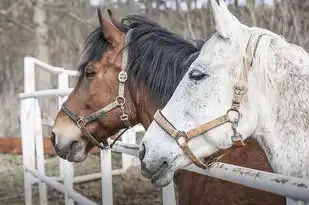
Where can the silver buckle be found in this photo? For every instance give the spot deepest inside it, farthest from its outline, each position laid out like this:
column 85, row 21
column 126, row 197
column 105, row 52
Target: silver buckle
column 122, row 76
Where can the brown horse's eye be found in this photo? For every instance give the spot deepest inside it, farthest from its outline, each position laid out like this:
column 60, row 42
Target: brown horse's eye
column 90, row 73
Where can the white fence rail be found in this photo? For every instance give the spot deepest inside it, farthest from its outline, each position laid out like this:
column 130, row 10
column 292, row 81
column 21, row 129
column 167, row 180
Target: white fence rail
column 33, row 153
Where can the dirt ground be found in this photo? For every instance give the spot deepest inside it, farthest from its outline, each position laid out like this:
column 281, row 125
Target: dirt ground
column 129, row 188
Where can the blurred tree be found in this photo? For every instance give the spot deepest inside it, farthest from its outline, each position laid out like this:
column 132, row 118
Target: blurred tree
column 42, row 50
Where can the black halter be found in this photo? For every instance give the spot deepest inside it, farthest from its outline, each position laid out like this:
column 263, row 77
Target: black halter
column 82, row 121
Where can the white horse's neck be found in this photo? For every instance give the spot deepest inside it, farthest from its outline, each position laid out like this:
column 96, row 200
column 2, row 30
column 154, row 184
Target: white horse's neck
column 279, row 89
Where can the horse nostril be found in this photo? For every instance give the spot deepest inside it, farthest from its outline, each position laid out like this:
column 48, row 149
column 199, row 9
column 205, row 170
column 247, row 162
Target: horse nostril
column 142, row 151
column 53, row 138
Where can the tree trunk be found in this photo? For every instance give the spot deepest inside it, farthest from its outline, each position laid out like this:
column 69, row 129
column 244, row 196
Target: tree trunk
column 42, row 51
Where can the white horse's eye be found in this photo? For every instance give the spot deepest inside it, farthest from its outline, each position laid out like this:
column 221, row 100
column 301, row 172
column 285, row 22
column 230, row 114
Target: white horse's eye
column 197, row 74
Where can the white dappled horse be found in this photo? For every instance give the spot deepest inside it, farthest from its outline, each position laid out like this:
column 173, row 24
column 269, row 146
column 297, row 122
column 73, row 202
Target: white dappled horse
column 246, row 82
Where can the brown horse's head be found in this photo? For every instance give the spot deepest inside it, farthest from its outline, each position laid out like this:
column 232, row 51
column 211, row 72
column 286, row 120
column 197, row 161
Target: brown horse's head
column 101, row 84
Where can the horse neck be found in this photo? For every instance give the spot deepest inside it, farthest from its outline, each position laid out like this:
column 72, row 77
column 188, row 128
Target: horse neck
column 283, row 112
column 145, row 108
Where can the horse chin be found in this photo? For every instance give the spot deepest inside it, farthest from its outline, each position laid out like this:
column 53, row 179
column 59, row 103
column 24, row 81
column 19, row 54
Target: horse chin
column 163, row 177
column 164, row 180
column 77, row 152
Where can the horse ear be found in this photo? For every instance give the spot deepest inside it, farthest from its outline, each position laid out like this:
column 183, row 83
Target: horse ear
column 111, row 33
column 112, row 17
column 226, row 23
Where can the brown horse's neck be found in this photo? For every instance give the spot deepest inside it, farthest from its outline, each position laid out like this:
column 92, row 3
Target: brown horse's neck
column 145, row 108
column 146, row 116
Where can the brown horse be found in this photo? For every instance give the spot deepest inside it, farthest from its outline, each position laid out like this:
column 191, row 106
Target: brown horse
column 131, row 69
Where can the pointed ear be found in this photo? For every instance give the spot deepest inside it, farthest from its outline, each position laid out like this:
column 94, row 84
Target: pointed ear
column 112, row 17
column 111, row 33
column 226, row 23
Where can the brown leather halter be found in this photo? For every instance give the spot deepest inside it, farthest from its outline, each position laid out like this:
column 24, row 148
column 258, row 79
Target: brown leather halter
column 82, row 121
column 182, row 138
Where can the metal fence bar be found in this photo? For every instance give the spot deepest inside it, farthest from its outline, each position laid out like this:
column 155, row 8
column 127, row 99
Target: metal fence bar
column 60, row 187
column 66, row 167
column 27, row 117
column 52, row 69
column 129, row 137
column 46, row 93
column 91, row 177
column 130, row 149
column 293, row 187
column 168, row 194
column 106, row 177
column 39, row 148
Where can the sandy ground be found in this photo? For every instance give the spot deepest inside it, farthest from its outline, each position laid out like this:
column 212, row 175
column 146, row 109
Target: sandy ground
column 129, row 188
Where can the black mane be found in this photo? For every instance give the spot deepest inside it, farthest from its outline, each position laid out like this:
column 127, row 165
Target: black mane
column 158, row 58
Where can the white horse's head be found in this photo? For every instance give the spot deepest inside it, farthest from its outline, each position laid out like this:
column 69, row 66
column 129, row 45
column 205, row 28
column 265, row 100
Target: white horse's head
column 205, row 93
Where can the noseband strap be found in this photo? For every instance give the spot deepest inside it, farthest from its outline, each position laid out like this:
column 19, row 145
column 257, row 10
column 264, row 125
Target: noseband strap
column 232, row 116
column 82, row 121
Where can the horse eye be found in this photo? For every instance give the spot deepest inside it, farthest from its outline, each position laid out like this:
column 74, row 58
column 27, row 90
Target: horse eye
column 90, row 73
column 197, row 74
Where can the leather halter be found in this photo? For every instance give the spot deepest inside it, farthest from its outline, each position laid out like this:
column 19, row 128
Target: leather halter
column 182, row 138
column 82, row 121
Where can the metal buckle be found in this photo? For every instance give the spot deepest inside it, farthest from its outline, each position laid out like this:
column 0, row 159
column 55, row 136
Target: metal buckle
column 81, row 122
column 122, row 76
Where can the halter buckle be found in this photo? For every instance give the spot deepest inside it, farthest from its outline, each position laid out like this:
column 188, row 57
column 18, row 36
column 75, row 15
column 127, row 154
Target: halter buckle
column 81, row 122
column 122, row 76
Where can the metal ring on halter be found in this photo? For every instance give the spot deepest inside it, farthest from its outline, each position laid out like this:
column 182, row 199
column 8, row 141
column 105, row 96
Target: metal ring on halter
column 120, row 100
column 228, row 115
column 181, row 137
column 81, row 122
